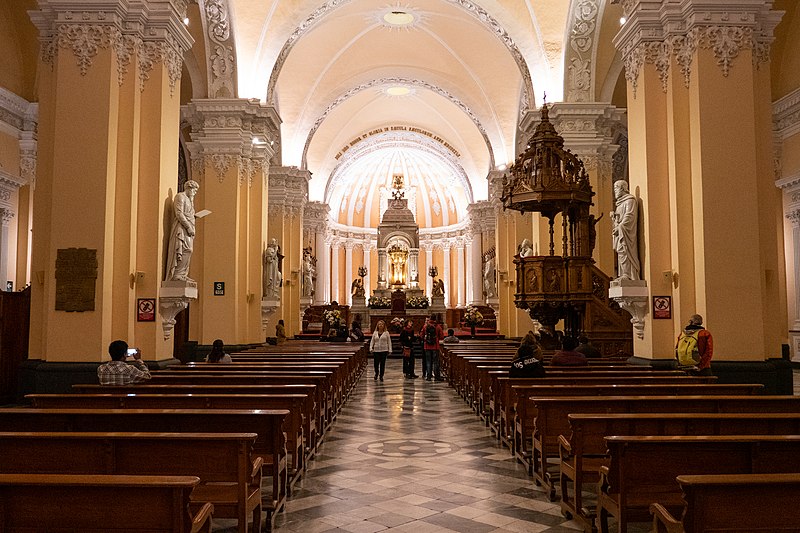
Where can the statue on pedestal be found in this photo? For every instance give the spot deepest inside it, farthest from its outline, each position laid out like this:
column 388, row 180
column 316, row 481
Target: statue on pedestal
column 625, row 236
column 357, row 288
column 272, row 274
column 438, row 287
column 181, row 237
column 489, row 281
column 525, row 248
column 309, row 272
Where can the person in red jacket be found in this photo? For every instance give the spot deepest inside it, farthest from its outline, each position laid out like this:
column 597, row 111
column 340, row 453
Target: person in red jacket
column 431, row 334
column 695, row 348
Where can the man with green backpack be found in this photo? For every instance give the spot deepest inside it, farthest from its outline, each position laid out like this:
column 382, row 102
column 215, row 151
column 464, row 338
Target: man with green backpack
column 694, row 348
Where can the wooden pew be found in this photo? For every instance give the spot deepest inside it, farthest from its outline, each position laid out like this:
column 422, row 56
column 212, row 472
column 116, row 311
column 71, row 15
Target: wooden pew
column 230, row 477
column 270, row 444
column 320, row 379
column 98, row 504
column 505, row 400
column 582, row 450
column 552, row 417
column 310, row 410
column 742, row 503
column 293, row 403
column 643, row 470
column 525, row 410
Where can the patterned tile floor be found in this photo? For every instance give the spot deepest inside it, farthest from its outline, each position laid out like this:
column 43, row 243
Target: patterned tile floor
column 410, row 456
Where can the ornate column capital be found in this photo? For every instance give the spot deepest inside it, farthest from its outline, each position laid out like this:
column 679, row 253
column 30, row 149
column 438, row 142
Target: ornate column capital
column 657, row 31
column 153, row 31
column 288, row 189
column 6, row 215
column 794, row 217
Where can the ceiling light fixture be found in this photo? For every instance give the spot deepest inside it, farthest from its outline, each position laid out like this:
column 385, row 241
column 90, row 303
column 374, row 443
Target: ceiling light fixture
column 186, row 20
column 622, row 20
column 398, row 18
column 398, row 90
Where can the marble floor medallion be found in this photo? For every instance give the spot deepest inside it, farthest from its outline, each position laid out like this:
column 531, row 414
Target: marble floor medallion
column 408, row 448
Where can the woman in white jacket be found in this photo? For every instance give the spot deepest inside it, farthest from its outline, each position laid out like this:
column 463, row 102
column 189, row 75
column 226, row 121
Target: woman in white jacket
column 380, row 346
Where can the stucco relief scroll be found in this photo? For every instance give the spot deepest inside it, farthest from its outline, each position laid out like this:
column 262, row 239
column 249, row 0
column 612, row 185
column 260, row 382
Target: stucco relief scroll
column 220, row 49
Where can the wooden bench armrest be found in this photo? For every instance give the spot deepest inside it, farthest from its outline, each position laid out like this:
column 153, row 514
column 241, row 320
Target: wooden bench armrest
column 255, row 474
column 564, row 448
column 663, row 521
column 201, row 522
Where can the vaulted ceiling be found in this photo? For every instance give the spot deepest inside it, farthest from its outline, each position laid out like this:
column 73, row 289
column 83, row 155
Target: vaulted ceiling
column 450, row 73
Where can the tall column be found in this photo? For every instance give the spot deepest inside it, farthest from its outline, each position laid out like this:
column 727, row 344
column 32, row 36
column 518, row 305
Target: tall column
column 461, row 274
column 429, row 261
column 677, row 75
column 288, row 193
column 383, row 269
column 348, row 270
column 326, row 270
column 794, row 332
column 6, row 215
column 128, row 58
column 367, row 279
column 479, row 213
column 335, row 277
column 413, row 268
column 230, row 239
column 446, row 274
column 315, row 218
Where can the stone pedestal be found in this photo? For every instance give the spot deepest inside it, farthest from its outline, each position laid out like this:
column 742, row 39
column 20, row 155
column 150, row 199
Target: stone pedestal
column 174, row 297
column 359, row 307
column 437, row 306
column 268, row 308
column 633, row 297
column 794, row 343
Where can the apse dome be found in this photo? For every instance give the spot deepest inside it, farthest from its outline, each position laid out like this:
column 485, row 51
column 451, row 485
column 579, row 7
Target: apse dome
column 434, row 182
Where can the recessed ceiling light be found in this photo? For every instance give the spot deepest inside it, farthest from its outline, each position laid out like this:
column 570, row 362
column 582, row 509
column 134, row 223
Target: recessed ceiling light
column 398, row 90
column 398, row 18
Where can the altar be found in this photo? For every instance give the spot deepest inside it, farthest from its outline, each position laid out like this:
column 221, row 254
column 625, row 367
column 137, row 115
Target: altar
column 398, row 267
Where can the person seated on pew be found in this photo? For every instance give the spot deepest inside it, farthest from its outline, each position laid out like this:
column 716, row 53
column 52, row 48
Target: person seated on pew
column 217, row 353
column 356, row 333
column 122, row 369
column 527, row 362
column 585, row 347
column 451, row 337
column 280, row 332
column 567, row 356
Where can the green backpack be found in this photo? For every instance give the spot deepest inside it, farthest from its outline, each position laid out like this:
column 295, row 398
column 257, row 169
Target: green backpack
column 687, row 351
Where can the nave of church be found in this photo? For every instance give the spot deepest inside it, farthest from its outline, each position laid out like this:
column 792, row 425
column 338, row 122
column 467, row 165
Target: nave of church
column 411, row 456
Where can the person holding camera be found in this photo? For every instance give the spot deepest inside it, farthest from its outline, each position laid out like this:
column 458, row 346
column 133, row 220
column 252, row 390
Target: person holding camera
column 126, row 366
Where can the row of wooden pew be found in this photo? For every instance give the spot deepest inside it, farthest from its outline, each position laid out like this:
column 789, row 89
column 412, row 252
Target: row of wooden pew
column 224, row 440
column 647, row 441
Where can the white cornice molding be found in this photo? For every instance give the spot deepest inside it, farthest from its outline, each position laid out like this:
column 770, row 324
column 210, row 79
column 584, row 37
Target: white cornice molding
column 10, row 180
column 789, row 183
column 786, row 114
column 16, row 113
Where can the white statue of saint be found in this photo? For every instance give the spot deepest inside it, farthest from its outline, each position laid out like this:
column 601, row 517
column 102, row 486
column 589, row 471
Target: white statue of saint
column 181, row 237
column 625, row 236
column 308, row 274
column 489, row 281
column 525, row 248
column 272, row 274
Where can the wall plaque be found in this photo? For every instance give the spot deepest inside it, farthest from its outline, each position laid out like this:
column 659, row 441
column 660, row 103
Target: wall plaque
column 76, row 276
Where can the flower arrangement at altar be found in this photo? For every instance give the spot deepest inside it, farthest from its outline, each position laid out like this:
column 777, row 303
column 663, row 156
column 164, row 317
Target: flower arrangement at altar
column 333, row 317
column 417, row 302
column 380, row 302
column 472, row 317
column 396, row 325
